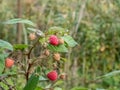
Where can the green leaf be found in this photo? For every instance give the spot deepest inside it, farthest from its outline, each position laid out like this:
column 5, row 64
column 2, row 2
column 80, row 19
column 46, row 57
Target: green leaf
column 5, row 45
column 19, row 20
column 8, row 74
column 69, row 40
column 41, row 78
column 56, row 29
column 110, row 74
column 2, row 61
column 20, row 46
column 58, row 83
column 37, row 31
column 38, row 88
column 79, row 88
column 32, row 83
column 2, row 65
column 48, row 86
column 59, row 48
column 100, row 89
column 57, row 88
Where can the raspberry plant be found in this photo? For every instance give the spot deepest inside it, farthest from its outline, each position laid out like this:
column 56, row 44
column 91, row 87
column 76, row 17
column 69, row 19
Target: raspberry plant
column 30, row 71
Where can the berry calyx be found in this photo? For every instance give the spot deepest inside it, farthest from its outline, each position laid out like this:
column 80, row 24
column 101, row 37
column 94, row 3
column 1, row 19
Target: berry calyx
column 47, row 53
column 61, row 41
column 56, row 56
column 32, row 36
column 63, row 76
column 53, row 75
column 54, row 65
column 9, row 63
column 53, row 40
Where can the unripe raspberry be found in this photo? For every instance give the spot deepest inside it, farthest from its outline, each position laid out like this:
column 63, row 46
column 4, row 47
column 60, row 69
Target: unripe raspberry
column 63, row 76
column 9, row 63
column 28, row 1
column 56, row 56
column 47, row 53
column 53, row 75
column 102, row 48
column 45, row 45
column 61, row 41
column 54, row 65
column 32, row 36
column 53, row 40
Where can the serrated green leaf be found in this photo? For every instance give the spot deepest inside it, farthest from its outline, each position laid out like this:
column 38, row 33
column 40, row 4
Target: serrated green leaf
column 19, row 20
column 113, row 73
column 56, row 29
column 57, row 88
column 100, row 89
column 32, row 83
column 59, row 48
column 37, row 31
column 69, row 40
column 5, row 45
column 79, row 88
column 59, row 82
column 8, row 73
column 1, row 66
column 20, row 46
column 41, row 78
column 2, row 61
column 38, row 88
column 48, row 86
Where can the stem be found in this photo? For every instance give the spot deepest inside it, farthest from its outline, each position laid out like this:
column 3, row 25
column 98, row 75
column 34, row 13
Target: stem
column 25, row 35
column 30, row 64
column 3, row 70
column 84, row 70
column 19, row 27
column 32, row 48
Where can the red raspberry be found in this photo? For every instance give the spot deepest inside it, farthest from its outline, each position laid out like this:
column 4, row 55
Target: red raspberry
column 53, row 40
column 53, row 75
column 9, row 62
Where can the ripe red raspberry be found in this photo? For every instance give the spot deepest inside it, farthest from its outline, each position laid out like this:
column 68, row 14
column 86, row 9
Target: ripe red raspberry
column 53, row 75
column 53, row 40
column 9, row 63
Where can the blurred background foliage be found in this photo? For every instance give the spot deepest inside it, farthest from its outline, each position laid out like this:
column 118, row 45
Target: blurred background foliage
column 94, row 24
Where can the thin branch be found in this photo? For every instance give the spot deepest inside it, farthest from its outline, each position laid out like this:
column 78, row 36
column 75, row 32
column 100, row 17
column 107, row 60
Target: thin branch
column 30, row 64
column 19, row 27
column 32, row 48
column 81, row 11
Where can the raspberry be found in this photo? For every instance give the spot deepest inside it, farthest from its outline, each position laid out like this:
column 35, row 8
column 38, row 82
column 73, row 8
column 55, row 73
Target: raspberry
column 53, row 40
column 9, row 62
column 56, row 56
column 61, row 41
column 32, row 36
column 53, row 75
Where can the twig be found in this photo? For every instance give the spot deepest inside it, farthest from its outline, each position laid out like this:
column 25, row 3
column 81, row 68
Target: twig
column 80, row 17
column 30, row 64
column 32, row 48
